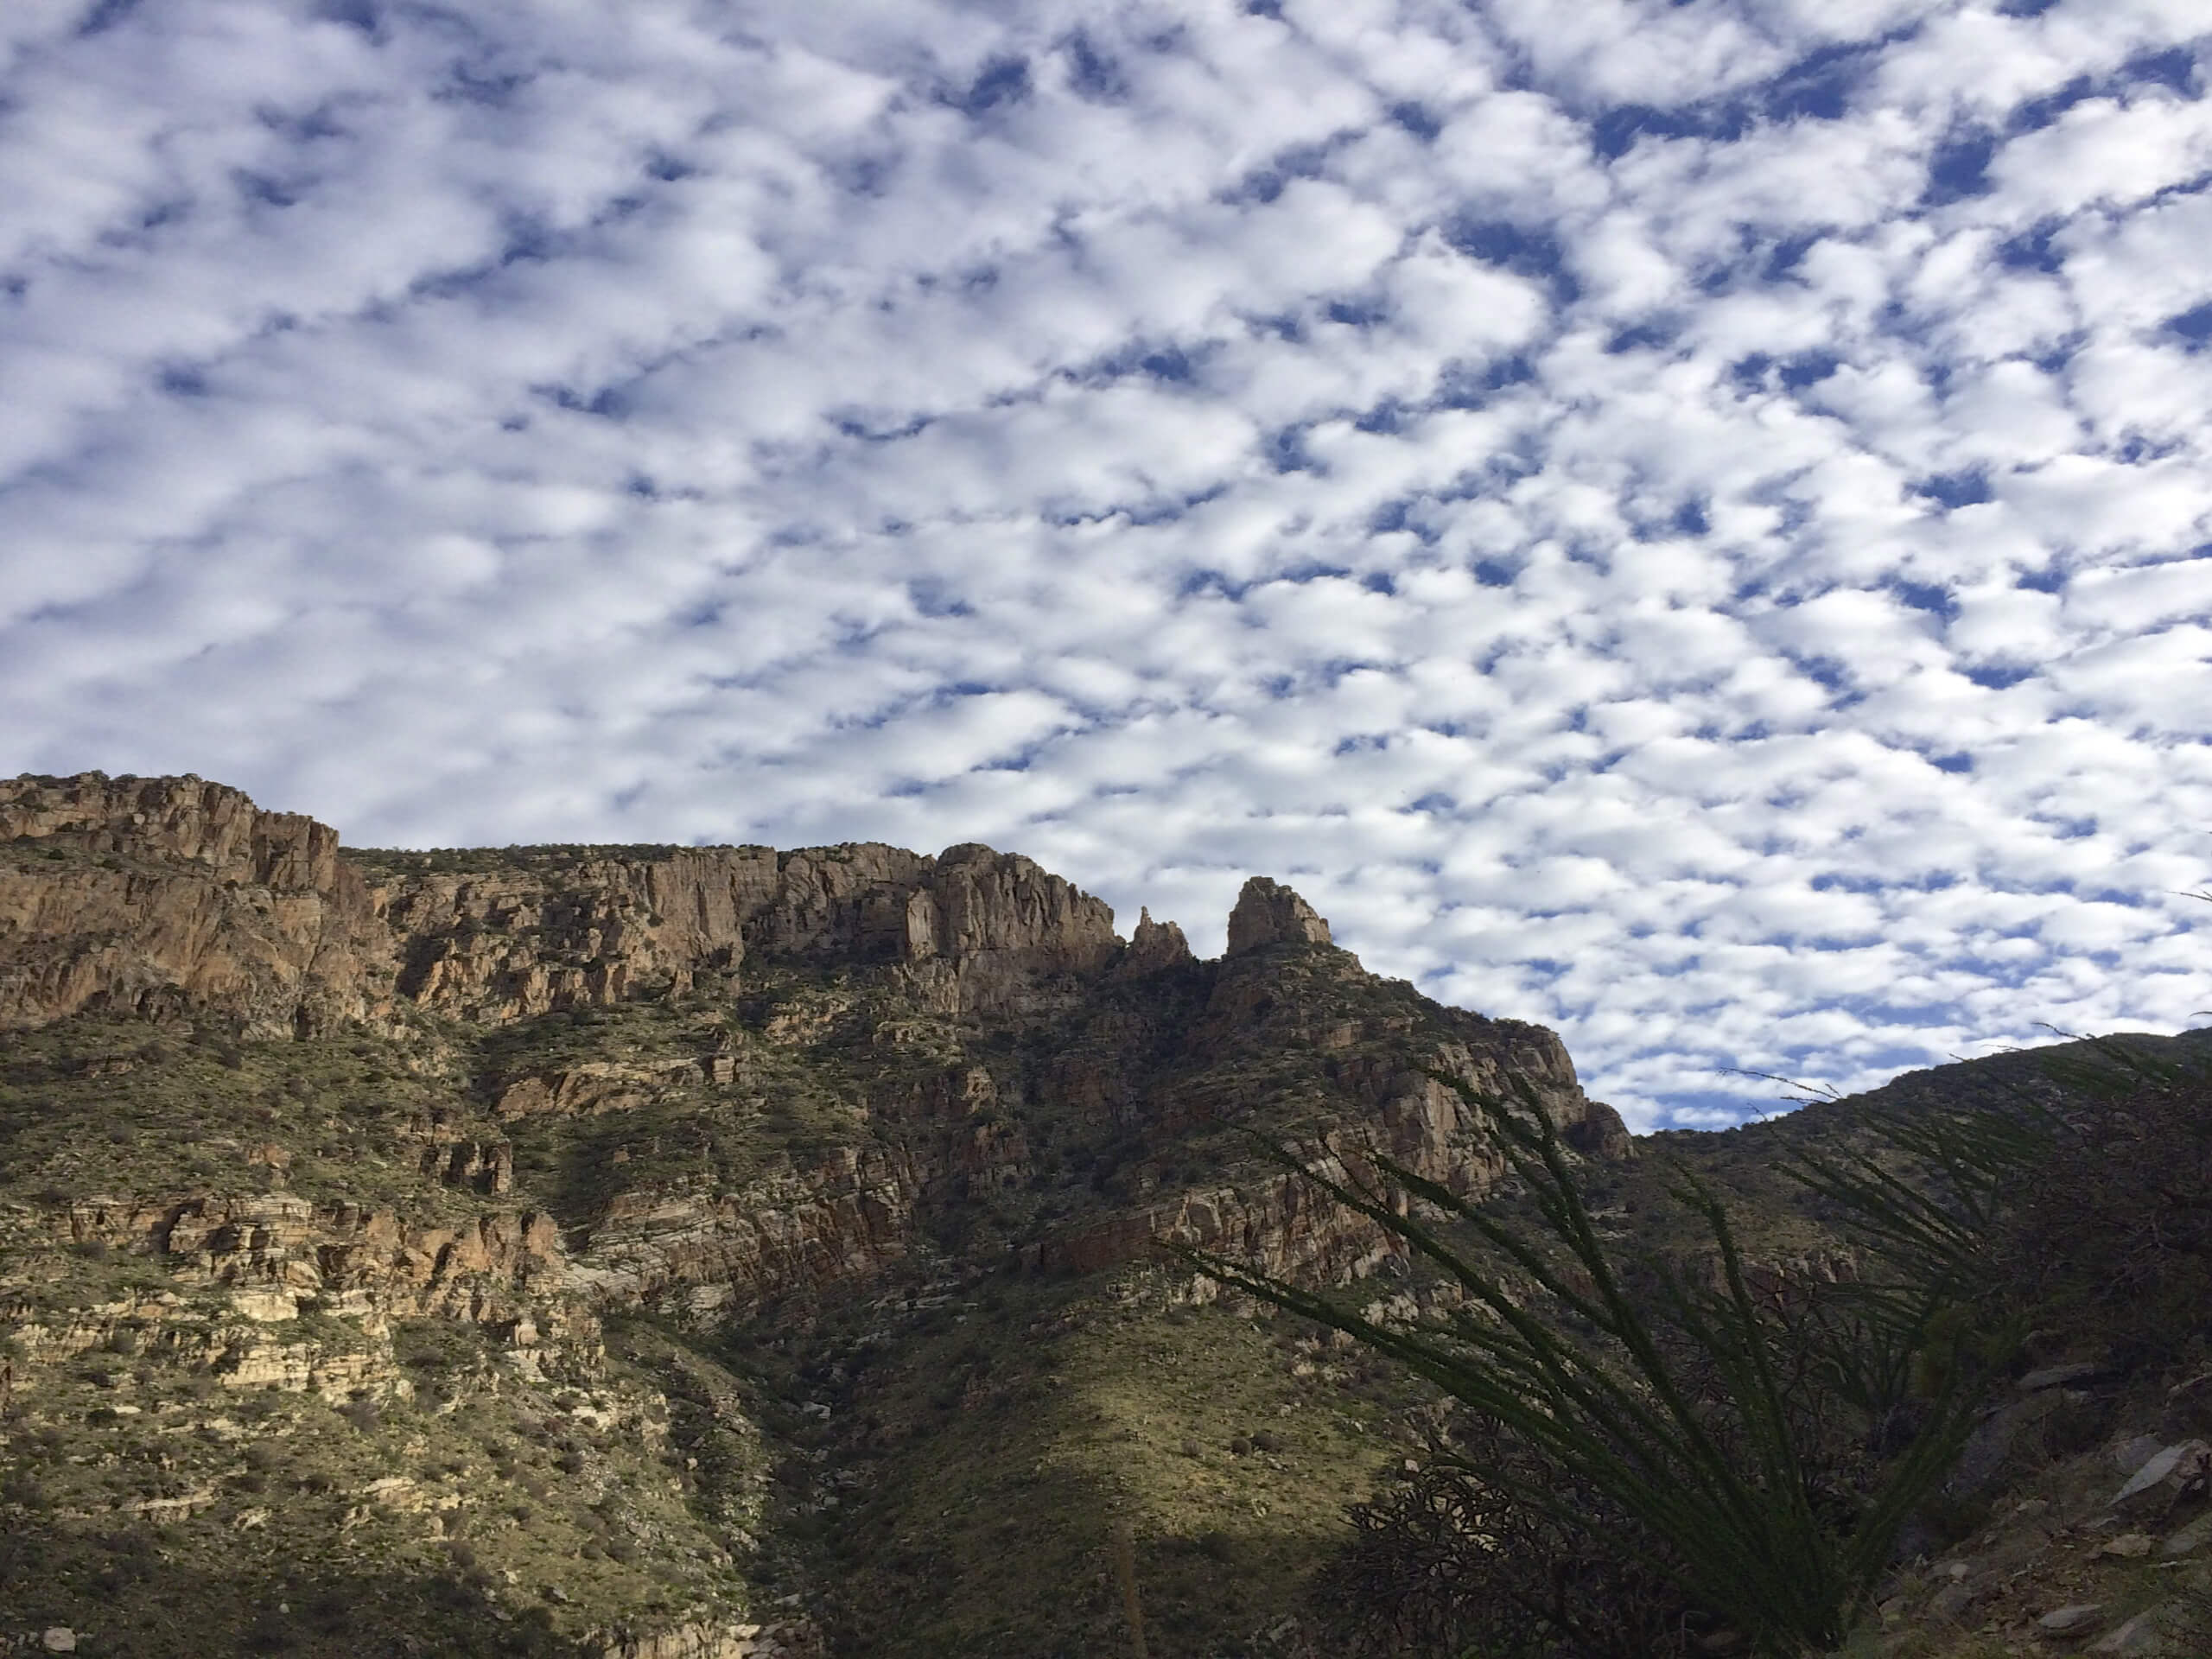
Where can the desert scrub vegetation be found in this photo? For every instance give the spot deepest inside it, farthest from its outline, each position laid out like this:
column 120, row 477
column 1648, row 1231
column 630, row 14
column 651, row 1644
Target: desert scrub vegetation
column 1652, row 1453
column 981, row 1442
column 504, row 1516
column 556, row 858
column 2113, row 1241
column 91, row 1104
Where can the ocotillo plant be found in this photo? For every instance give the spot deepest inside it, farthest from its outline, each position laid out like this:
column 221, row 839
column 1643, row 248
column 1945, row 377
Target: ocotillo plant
column 1675, row 1405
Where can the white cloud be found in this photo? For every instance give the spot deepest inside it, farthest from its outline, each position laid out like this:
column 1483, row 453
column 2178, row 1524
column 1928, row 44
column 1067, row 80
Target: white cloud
column 1688, row 585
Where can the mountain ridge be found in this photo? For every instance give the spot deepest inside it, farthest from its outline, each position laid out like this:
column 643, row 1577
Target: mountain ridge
column 297, row 1111
column 667, row 1253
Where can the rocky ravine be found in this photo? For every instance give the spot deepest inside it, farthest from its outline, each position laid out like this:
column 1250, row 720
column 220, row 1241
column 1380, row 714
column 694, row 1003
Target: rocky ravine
column 280, row 1116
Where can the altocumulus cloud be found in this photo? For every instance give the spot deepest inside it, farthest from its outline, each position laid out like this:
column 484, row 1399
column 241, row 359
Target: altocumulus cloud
column 1686, row 522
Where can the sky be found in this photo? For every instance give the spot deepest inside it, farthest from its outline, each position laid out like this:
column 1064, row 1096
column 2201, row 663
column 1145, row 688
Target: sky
column 1683, row 522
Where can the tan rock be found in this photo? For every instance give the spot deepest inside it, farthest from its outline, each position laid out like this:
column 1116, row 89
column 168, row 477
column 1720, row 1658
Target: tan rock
column 216, row 905
column 397, row 1492
column 1267, row 913
column 175, row 894
column 694, row 1640
column 1154, row 948
column 265, row 1305
column 487, row 1166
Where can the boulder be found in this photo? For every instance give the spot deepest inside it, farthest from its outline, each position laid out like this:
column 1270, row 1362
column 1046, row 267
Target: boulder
column 2128, row 1456
column 1953, row 1601
column 2170, row 1475
column 2143, row 1634
column 2059, row 1377
column 2072, row 1621
column 2190, row 1539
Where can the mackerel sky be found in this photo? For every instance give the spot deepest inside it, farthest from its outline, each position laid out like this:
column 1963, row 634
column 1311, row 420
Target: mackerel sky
column 1687, row 522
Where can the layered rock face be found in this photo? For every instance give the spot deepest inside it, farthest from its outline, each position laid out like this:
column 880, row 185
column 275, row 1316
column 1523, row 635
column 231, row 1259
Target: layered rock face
column 287, row 1124
column 174, row 896
column 180, row 818
column 153, row 896
column 975, row 929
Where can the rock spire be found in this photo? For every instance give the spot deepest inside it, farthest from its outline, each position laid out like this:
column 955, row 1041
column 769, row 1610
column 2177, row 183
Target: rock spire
column 1269, row 914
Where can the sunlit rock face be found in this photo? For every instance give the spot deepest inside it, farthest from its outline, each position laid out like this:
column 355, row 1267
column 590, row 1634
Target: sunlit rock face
column 176, row 898
column 156, row 896
column 345, row 1142
column 151, row 896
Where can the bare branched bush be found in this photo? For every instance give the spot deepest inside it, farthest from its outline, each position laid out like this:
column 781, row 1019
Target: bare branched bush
column 1449, row 1561
column 2114, row 1243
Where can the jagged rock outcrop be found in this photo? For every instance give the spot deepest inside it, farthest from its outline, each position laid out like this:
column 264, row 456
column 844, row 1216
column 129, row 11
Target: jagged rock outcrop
column 1155, row 947
column 185, row 818
column 1286, row 1226
column 1602, row 1134
column 1269, row 914
column 274, row 1251
column 838, row 1091
column 151, row 896
column 986, row 931
column 694, row 1640
column 840, row 1220
column 1412, row 1118
column 248, row 1269
column 174, row 895
column 593, row 1088
column 973, row 929
column 154, row 896
column 487, row 1166
column 510, row 945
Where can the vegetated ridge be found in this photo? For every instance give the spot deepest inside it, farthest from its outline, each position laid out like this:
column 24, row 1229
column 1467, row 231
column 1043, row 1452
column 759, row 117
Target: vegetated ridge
column 495, row 1242
column 705, row 1252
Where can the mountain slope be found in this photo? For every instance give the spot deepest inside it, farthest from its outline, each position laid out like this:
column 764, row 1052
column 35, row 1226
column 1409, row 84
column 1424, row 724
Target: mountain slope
column 460, row 1242
column 664, row 1253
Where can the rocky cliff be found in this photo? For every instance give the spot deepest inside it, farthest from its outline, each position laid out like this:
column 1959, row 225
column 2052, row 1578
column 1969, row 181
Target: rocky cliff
column 176, row 898
column 283, row 1113
column 159, row 896
column 177, row 894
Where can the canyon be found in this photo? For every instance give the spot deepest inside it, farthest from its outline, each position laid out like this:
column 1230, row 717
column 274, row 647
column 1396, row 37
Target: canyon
column 281, row 1113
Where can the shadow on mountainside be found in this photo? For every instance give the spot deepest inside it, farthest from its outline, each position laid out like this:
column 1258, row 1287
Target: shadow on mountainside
column 118, row 1591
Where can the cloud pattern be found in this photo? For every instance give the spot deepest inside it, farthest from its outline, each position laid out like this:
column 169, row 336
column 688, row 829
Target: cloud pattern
column 1682, row 521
